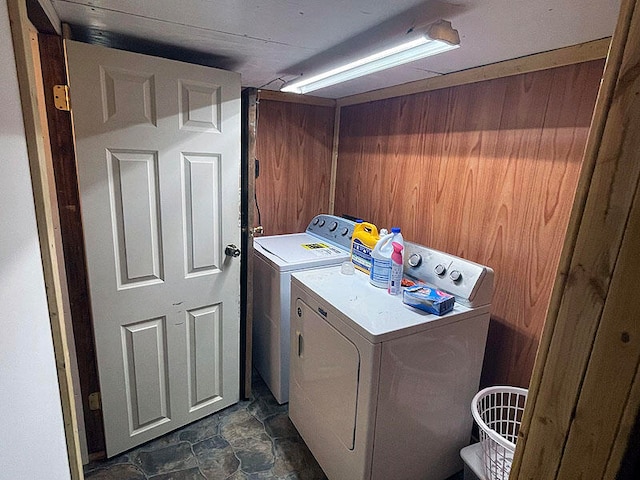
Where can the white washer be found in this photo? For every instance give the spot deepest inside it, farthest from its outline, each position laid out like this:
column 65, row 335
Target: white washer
column 378, row 389
column 327, row 241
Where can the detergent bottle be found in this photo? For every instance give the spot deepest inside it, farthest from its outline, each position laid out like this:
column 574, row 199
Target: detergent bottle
column 364, row 239
column 381, row 261
column 397, row 262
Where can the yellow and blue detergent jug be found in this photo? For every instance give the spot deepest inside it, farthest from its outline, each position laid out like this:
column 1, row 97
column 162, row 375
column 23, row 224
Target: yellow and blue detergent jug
column 364, row 239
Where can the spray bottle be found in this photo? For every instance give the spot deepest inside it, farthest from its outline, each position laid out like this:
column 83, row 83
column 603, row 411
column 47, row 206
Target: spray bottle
column 395, row 278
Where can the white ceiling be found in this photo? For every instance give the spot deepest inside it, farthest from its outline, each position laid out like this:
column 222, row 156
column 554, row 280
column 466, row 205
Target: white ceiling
column 271, row 41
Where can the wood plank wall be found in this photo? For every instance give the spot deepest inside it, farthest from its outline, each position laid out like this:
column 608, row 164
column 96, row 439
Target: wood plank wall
column 583, row 408
column 486, row 171
column 294, row 144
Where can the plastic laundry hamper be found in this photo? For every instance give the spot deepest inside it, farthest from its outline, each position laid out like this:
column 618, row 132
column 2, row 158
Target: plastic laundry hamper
column 498, row 412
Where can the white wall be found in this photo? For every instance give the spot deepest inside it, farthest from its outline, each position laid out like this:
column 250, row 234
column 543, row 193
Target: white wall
column 32, row 444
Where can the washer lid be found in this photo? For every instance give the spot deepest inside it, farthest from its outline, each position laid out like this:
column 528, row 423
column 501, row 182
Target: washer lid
column 299, row 248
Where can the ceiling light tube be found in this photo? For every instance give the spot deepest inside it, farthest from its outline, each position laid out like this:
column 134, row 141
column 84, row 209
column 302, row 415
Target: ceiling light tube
column 439, row 37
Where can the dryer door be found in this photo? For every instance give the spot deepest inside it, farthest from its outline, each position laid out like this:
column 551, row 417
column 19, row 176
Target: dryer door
column 324, row 379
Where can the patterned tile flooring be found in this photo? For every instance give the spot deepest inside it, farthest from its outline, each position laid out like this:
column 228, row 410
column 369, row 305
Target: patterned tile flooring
column 253, row 440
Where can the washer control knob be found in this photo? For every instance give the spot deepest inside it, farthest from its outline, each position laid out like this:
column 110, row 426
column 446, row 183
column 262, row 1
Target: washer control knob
column 414, row 260
column 455, row 275
column 344, row 231
column 316, row 220
column 440, row 269
column 321, row 224
column 333, row 226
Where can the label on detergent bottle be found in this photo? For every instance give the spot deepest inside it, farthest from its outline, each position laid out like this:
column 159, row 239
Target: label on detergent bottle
column 363, row 240
column 380, row 272
column 361, row 256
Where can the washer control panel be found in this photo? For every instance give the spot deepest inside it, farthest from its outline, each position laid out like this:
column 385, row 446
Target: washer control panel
column 471, row 283
column 336, row 230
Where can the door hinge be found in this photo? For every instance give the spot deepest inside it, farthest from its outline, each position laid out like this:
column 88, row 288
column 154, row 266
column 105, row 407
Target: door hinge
column 61, row 97
column 95, row 402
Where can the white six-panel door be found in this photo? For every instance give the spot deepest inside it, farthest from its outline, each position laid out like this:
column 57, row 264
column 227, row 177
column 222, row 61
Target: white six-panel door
column 158, row 152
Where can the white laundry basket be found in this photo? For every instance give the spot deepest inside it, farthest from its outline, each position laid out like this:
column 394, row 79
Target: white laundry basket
column 498, row 412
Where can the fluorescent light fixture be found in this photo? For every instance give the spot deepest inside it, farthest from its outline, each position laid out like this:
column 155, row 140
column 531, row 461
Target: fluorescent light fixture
column 439, row 37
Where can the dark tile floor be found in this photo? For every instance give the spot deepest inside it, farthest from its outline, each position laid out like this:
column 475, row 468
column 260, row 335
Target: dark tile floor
column 253, row 440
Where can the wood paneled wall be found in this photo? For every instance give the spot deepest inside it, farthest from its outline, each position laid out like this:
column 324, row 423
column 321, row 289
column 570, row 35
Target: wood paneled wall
column 486, row 171
column 294, row 145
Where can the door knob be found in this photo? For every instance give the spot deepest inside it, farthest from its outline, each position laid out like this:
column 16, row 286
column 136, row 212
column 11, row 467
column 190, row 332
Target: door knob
column 232, row 251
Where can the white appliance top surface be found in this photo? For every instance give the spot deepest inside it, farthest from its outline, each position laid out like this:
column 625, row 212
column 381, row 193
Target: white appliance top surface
column 299, row 249
column 371, row 311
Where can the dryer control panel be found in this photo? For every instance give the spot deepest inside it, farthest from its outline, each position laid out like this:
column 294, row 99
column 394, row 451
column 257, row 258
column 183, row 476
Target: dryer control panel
column 336, row 230
column 471, row 283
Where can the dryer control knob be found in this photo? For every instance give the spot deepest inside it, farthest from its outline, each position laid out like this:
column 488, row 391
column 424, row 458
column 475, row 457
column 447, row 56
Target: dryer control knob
column 440, row 269
column 316, row 220
column 333, row 226
column 415, row 260
column 455, row 275
column 321, row 224
column 344, row 231
column 299, row 312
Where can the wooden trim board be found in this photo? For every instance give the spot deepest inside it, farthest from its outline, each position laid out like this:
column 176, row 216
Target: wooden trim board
column 48, row 132
column 295, row 98
column 568, row 431
column 46, row 208
column 334, row 161
column 249, row 111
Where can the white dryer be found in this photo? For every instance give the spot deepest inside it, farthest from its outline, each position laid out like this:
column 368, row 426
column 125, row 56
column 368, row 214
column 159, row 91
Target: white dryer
column 327, row 241
column 379, row 390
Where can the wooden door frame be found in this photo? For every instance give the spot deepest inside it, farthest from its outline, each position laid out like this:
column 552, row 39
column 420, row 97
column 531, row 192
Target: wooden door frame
column 46, row 207
column 248, row 189
column 63, row 148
